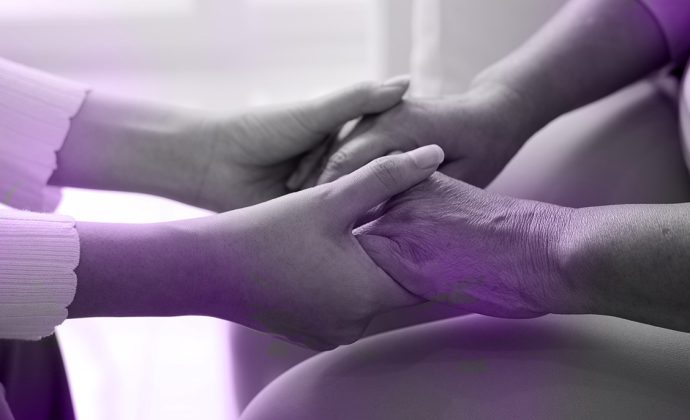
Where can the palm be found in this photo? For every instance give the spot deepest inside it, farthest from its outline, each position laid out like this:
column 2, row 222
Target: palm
column 255, row 167
column 254, row 154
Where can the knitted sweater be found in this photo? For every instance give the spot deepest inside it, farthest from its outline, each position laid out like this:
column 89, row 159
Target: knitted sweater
column 38, row 252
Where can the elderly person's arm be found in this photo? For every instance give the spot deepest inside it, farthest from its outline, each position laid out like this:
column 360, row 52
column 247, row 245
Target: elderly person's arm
column 629, row 261
column 450, row 242
column 590, row 49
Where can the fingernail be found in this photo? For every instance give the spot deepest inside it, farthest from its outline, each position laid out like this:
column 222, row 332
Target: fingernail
column 399, row 82
column 427, row 157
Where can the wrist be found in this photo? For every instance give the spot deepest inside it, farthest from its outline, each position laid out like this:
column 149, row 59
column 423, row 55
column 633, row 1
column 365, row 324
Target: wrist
column 579, row 256
column 122, row 144
column 524, row 109
column 134, row 270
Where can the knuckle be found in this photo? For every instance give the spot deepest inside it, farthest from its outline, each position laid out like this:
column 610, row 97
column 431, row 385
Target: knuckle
column 337, row 163
column 386, row 171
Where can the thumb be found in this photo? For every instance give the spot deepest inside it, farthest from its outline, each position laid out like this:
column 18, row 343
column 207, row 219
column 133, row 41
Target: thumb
column 332, row 111
column 381, row 179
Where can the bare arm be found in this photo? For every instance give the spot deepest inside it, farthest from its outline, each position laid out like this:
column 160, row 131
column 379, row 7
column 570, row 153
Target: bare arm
column 631, row 261
column 590, row 49
column 496, row 255
column 125, row 144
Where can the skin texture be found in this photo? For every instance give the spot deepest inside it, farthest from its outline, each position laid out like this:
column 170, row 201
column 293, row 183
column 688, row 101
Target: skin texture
column 450, row 242
column 245, row 266
column 208, row 159
column 475, row 130
column 631, row 260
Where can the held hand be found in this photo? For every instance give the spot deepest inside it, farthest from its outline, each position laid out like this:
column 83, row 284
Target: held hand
column 251, row 156
column 479, row 132
column 450, row 242
column 301, row 272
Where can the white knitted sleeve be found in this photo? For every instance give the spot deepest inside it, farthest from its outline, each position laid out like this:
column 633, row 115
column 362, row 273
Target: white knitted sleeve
column 35, row 113
column 38, row 255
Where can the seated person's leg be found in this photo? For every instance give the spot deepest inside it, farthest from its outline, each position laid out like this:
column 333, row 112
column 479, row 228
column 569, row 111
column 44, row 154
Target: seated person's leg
column 259, row 358
column 475, row 367
column 623, row 149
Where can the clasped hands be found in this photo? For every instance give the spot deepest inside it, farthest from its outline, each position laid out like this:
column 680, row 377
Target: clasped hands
column 316, row 265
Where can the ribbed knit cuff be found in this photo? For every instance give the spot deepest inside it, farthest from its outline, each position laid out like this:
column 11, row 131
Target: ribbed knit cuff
column 35, row 113
column 38, row 256
column 673, row 17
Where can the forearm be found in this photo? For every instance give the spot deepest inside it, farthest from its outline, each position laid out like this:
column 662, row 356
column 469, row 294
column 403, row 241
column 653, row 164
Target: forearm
column 630, row 261
column 122, row 144
column 590, row 49
column 164, row 269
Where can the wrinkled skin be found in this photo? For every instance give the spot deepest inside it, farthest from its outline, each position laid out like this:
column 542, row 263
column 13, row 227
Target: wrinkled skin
column 479, row 131
column 447, row 241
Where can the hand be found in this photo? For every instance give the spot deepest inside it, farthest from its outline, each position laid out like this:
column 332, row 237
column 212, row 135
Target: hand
column 198, row 157
column 252, row 156
column 479, row 132
column 292, row 265
column 447, row 241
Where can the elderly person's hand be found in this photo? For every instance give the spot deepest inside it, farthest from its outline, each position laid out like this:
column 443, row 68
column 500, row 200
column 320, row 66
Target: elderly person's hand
column 479, row 132
column 451, row 242
column 290, row 266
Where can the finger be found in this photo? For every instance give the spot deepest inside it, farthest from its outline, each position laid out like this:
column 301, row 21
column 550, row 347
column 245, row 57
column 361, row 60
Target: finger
column 349, row 131
column 352, row 155
column 383, row 178
column 331, row 111
column 309, row 164
column 385, row 253
column 377, row 211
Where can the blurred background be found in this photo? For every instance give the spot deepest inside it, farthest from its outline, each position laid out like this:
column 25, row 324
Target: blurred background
column 228, row 55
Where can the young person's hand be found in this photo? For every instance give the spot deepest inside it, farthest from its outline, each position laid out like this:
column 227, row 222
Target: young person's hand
column 253, row 155
column 289, row 266
column 207, row 158
column 450, row 242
